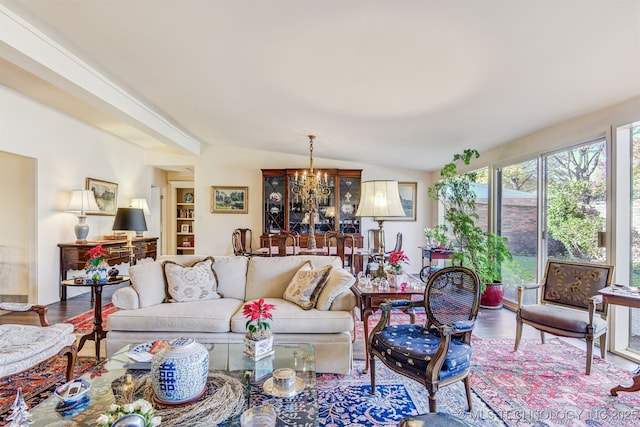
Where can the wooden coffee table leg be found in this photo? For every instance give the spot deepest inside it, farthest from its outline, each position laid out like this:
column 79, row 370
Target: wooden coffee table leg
column 634, row 387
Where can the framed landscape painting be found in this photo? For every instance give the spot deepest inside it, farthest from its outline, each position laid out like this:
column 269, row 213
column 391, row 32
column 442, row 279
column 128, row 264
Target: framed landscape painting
column 230, row 200
column 408, row 192
column 106, row 194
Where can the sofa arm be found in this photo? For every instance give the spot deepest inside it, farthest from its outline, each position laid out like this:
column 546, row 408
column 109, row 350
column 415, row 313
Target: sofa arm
column 346, row 301
column 126, row 298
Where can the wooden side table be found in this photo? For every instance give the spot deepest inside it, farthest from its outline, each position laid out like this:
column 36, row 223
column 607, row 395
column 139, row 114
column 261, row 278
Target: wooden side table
column 97, row 333
column 370, row 299
column 73, row 256
column 623, row 296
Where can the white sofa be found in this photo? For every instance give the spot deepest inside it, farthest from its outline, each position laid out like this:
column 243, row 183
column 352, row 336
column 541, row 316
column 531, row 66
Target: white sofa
column 143, row 316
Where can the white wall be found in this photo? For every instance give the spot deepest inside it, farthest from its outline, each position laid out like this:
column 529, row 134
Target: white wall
column 227, row 165
column 67, row 151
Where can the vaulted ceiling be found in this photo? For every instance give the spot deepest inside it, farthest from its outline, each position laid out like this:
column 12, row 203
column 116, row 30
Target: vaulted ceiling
column 397, row 83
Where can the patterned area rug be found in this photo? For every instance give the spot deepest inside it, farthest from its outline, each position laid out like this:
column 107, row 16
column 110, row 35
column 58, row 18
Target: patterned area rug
column 83, row 323
column 38, row 383
column 545, row 385
column 345, row 400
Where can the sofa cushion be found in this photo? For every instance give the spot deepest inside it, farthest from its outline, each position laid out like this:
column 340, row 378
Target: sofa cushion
column 195, row 283
column 306, row 285
column 290, row 318
column 340, row 281
column 268, row 277
column 148, row 280
column 194, row 316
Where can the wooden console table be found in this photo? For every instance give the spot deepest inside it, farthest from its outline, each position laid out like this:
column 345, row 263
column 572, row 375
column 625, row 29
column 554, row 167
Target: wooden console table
column 625, row 297
column 73, row 256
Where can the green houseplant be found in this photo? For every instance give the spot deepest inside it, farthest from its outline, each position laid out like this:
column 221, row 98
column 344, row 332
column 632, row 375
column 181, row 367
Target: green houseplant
column 479, row 250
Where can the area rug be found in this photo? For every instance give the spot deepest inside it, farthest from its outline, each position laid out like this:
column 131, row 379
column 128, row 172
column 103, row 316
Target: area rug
column 345, row 400
column 83, row 323
column 545, row 385
column 38, row 383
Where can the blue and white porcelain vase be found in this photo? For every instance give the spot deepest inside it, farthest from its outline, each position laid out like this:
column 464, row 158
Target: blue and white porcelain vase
column 179, row 373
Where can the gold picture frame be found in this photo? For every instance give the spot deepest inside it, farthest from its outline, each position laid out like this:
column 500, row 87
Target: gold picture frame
column 229, row 199
column 106, row 194
column 408, row 194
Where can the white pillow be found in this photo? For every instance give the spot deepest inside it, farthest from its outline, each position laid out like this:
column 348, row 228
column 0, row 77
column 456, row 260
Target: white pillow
column 340, row 280
column 306, row 285
column 148, row 281
column 196, row 283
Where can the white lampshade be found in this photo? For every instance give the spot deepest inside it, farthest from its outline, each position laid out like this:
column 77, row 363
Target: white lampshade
column 82, row 201
column 141, row 203
column 380, row 199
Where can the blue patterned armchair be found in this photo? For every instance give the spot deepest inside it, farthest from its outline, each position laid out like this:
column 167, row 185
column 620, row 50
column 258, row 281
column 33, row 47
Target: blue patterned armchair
column 438, row 353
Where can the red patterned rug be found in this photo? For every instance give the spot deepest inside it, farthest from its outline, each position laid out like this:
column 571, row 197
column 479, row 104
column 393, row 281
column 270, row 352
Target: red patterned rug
column 83, row 323
column 545, row 385
column 38, row 383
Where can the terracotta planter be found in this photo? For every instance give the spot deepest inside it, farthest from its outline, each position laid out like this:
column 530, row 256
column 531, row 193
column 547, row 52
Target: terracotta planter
column 492, row 296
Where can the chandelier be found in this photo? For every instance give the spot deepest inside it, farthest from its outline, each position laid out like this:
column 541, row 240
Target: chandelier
column 312, row 189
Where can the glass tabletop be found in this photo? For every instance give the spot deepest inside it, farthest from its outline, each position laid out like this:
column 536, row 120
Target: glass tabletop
column 229, row 359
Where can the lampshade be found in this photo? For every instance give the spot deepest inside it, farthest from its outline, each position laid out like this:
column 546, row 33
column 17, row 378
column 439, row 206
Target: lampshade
column 82, row 201
column 140, row 203
column 380, row 199
column 129, row 219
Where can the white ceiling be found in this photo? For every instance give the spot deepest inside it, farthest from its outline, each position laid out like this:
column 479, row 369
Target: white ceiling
column 396, row 83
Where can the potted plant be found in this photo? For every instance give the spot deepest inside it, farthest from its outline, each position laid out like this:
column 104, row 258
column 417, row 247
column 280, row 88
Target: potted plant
column 477, row 249
column 258, row 341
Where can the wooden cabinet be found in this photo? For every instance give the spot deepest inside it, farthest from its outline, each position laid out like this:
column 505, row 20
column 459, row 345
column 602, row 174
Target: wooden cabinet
column 282, row 211
column 73, row 256
column 185, row 220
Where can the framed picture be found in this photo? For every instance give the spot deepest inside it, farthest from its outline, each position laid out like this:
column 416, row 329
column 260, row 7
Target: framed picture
column 106, row 194
column 408, row 192
column 230, row 200
column 184, row 228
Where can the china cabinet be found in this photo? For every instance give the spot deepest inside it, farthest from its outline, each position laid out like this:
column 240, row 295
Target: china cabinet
column 283, row 211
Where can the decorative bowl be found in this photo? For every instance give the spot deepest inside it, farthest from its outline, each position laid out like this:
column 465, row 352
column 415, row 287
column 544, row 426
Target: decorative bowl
column 73, row 390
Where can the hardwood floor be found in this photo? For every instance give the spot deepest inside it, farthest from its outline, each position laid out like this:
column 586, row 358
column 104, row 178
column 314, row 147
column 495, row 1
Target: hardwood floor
column 491, row 323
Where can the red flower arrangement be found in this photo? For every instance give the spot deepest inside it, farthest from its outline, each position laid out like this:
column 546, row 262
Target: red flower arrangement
column 96, row 255
column 258, row 312
column 396, row 258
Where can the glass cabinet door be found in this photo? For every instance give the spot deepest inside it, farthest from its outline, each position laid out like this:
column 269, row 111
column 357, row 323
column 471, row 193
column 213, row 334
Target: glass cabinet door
column 299, row 210
column 348, row 200
column 274, row 188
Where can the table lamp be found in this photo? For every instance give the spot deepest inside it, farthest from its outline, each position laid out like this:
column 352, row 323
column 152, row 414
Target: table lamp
column 82, row 201
column 130, row 219
column 380, row 200
column 140, row 203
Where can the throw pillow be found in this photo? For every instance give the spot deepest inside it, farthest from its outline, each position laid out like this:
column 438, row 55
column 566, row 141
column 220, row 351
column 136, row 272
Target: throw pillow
column 148, row 281
column 306, row 285
column 340, row 280
column 195, row 283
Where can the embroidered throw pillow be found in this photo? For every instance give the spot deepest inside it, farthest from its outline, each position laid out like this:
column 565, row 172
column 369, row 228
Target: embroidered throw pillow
column 339, row 281
column 195, row 283
column 306, row 285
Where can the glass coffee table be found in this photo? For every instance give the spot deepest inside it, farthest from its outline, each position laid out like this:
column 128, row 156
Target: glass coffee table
column 299, row 410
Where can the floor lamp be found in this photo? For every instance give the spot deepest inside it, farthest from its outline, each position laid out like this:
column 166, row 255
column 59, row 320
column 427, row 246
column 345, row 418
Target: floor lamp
column 130, row 220
column 380, row 200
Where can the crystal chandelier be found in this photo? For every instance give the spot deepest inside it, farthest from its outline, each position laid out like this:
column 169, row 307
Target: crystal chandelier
column 312, row 189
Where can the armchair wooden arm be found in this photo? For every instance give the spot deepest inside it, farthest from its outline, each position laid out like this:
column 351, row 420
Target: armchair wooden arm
column 18, row 307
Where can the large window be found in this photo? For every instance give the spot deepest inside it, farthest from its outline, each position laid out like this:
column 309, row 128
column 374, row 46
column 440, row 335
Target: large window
column 633, row 133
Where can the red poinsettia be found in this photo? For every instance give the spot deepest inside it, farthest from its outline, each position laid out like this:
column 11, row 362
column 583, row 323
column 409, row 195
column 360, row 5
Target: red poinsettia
column 257, row 312
column 396, row 258
column 96, row 255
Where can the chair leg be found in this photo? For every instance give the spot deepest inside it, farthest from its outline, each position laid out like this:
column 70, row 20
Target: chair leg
column 372, row 374
column 542, row 337
column 518, row 334
column 589, row 354
column 71, row 361
column 433, row 407
column 603, row 346
column 467, row 386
